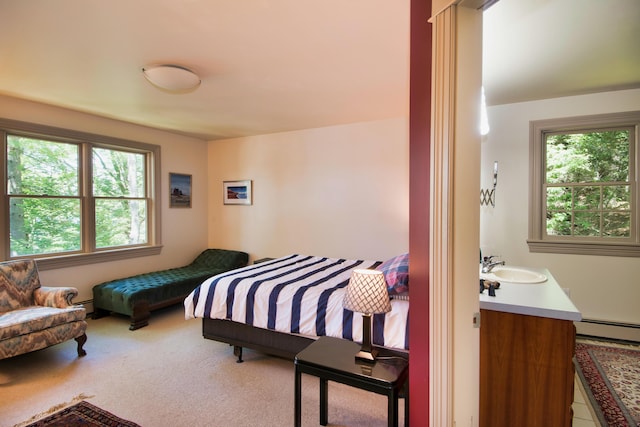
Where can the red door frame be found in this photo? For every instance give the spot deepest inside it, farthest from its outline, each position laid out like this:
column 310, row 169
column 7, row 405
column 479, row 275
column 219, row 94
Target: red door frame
column 419, row 209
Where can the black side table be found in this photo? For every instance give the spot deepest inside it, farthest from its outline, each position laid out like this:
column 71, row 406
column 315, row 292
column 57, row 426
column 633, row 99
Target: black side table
column 333, row 359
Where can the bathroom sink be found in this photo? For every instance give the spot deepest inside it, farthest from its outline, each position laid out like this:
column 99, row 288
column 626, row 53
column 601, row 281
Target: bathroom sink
column 515, row 275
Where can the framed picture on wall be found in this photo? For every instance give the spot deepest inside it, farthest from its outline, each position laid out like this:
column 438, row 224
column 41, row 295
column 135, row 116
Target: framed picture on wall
column 237, row 192
column 179, row 190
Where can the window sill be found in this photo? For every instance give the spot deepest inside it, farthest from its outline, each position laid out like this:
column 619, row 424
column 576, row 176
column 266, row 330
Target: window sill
column 96, row 257
column 584, row 248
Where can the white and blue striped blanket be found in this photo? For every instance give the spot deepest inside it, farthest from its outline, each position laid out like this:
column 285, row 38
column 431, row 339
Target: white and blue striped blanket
column 296, row 294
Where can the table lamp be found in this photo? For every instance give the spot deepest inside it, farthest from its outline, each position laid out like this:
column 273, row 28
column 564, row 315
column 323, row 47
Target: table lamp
column 367, row 294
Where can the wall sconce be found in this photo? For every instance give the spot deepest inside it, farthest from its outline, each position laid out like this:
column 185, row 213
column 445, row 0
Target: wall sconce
column 172, row 78
column 488, row 196
column 367, row 294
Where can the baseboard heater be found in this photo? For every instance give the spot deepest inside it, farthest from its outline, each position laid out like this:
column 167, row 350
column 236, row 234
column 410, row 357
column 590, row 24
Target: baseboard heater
column 609, row 329
column 606, row 322
column 88, row 305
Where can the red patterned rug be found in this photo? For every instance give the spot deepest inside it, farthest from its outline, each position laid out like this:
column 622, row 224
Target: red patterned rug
column 610, row 374
column 82, row 414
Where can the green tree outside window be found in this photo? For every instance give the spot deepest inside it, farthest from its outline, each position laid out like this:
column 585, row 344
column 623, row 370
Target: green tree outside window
column 587, row 184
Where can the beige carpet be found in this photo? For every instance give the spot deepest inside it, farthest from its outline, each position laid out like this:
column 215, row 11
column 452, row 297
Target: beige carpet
column 166, row 374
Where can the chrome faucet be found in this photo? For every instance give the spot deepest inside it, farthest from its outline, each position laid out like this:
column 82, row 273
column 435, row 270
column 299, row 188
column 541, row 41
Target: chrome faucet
column 488, row 263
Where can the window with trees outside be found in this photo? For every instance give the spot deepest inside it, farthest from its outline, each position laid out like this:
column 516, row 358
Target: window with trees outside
column 584, row 197
column 74, row 198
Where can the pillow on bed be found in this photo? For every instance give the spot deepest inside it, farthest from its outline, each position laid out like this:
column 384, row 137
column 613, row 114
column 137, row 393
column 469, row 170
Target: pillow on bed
column 396, row 273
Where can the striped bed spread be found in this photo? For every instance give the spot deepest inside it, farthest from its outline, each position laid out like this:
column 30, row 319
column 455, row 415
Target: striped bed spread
column 296, row 294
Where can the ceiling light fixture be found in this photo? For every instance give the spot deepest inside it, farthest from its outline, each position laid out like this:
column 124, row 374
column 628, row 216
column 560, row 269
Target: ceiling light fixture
column 172, row 78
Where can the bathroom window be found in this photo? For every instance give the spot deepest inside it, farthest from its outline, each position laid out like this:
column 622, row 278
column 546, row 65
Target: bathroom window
column 584, row 197
column 74, row 198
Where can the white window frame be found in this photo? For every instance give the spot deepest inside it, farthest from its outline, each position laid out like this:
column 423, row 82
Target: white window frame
column 538, row 241
column 90, row 254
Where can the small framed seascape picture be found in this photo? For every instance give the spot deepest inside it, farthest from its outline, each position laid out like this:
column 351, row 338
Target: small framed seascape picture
column 179, row 190
column 237, row 192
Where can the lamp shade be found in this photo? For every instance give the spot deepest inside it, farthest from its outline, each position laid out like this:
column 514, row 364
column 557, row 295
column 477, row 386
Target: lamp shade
column 367, row 292
column 172, row 78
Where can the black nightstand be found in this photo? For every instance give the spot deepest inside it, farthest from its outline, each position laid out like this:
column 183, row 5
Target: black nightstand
column 333, row 359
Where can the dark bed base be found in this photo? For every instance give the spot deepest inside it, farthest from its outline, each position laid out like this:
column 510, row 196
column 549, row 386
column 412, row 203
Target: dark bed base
column 266, row 341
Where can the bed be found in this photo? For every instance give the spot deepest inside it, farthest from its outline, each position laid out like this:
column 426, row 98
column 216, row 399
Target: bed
column 279, row 306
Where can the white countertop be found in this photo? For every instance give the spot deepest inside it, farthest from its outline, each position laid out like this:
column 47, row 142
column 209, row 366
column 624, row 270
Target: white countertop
column 546, row 299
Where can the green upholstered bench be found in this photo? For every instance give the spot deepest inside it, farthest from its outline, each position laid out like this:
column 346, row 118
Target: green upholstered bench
column 137, row 296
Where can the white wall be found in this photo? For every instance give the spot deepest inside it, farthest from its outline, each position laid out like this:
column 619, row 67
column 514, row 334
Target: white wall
column 340, row 191
column 184, row 232
column 603, row 288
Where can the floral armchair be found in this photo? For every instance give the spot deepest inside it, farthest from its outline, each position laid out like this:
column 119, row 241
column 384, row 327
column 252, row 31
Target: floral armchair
column 33, row 317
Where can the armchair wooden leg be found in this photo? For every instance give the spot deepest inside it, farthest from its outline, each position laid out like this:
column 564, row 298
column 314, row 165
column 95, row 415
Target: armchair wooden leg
column 81, row 340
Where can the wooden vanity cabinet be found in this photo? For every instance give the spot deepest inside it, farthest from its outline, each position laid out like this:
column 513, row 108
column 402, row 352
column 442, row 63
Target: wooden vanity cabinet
column 526, row 370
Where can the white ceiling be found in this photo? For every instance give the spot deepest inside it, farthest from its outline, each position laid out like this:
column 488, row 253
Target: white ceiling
column 278, row 65
column 537, row 49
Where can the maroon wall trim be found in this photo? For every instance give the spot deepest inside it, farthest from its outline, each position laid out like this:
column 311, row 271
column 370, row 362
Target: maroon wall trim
column 419, row 209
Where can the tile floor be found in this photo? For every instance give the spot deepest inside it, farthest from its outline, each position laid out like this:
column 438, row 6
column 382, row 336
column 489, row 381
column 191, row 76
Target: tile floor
column 582, row 412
